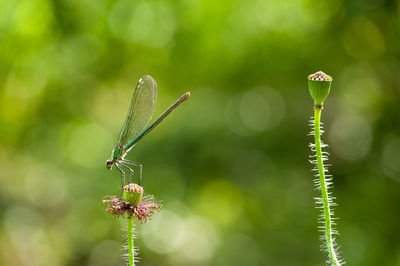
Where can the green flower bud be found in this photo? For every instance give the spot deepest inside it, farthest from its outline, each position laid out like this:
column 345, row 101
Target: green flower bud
column 133, row 194
column 319, row 85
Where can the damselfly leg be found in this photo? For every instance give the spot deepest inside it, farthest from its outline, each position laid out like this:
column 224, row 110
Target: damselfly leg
column 122, row 179
column 130, row 172
column 140, row 169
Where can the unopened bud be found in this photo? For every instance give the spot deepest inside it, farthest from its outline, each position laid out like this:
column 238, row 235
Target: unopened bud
column 133, row 194
column 319, row 85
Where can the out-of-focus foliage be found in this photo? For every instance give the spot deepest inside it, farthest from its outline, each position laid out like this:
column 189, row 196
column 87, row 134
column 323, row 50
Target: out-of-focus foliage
column 231, row 164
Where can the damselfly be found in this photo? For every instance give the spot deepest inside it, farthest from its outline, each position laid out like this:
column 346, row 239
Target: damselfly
column 136, row 125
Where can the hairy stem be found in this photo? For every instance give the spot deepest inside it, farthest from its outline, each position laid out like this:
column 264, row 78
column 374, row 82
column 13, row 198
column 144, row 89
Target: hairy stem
column 324, row 189
column 131, row 247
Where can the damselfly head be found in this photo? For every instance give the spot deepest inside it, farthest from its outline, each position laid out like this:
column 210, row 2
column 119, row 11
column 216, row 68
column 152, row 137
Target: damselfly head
column 109, row 164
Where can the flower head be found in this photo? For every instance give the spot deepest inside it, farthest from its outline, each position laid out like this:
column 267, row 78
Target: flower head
column 319, row 85
column 143, row 208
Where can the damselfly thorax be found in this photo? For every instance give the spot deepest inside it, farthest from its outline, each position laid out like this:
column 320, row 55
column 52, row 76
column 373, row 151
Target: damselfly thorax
column 118, row 154
column 118, row 159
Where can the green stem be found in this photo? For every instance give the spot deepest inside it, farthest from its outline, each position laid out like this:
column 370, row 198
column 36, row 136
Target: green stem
column 324, row 189
column 131, row 247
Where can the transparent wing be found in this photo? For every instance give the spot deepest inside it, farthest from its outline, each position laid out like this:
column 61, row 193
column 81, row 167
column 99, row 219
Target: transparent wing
column 140, row 111
column 132, row 143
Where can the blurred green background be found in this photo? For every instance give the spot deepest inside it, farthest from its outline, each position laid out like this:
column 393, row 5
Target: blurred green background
column 231, row 164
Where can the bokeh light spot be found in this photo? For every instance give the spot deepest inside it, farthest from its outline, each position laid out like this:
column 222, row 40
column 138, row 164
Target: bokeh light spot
column 33, row 17
column 141, row 23
column 363, row 39
column 76, row 55
column 27, row 78
column 200, row 240
column 360, row 86
column 25, row 228
column 221, row 202
column 148, row 23
column 116, row 102
column 45, row 185
column 165, row 233
column 254, row 111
